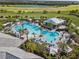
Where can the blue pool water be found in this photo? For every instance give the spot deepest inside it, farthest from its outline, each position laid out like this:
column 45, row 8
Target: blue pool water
column 32, row 28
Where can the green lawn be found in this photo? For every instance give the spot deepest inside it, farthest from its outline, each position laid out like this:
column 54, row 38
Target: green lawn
column 52, row 12
column 49, row 15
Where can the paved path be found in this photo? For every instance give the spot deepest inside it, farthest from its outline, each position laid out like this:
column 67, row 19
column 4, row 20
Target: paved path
column 77, row 27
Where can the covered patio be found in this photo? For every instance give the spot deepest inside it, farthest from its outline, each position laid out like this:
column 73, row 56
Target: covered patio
column 53, row 23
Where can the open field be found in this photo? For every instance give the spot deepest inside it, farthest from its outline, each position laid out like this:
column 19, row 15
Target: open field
column 49, row 15
column 37, row 12
column 38, row 8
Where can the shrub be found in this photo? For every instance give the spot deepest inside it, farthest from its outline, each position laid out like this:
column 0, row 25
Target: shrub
column 59, row 12
column 45, row 12
column 36, row 48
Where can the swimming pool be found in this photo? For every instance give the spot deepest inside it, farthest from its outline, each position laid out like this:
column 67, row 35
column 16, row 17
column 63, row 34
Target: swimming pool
column 32, row 28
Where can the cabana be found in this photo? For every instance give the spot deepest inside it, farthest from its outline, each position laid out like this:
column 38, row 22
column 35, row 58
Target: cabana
column 55, row 21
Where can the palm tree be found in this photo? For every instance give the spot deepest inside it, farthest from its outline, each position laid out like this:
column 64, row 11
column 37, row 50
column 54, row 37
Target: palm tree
column 59, row 12
column 19, row 11
column 40, row 36
column 61, row 50
column 33, row 19
column 34, row 34
column 30, row 46
column 41, row 19
column 27, row 32
column 20, row 32
column 45, row 11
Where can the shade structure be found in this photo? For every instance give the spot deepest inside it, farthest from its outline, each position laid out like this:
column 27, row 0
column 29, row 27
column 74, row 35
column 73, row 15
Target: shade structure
column 55, row 21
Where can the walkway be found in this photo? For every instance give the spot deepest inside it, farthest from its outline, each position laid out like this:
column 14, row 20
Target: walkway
column 77, row 27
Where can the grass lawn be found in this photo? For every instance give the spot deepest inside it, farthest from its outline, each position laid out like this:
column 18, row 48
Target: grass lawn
column 49, row 15
column 64, row 12
column 49, row 8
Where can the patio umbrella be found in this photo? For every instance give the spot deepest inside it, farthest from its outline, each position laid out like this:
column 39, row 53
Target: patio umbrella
column 62, row 27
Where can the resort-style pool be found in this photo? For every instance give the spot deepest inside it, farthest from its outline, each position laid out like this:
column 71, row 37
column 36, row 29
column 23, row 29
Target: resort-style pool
column 32, row 28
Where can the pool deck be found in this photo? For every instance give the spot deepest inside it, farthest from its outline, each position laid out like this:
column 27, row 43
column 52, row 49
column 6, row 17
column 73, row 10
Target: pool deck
column 10, row 41
column 10, row 44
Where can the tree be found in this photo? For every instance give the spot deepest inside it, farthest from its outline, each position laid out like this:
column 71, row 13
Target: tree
column 76, row 10
column 34, row 34
column 1, row 27
column 49, row 24
column 36, row 48
column 62, row 46
column 61, row 50
column 23, row 12
column 27, row 32
column 77, row 31
column 64, row 57
column 41, row 36
column 30, row 46
column 72, row 56
column 45, row 12
column 73, row 11
column 19, row 11
column 21, row 32
column 59, row 12
column 42, row 18
column 33, row 19
column 1, row 10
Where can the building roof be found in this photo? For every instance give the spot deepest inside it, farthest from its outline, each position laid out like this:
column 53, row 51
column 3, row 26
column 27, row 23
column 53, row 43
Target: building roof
column 16, row 53
column 55, row 20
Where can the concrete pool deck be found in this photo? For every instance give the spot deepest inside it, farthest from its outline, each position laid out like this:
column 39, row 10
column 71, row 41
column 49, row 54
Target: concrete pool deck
column 9, row 48
column 10, row 41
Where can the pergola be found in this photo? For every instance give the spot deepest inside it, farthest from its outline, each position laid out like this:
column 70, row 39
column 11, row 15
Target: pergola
column 55, row 21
